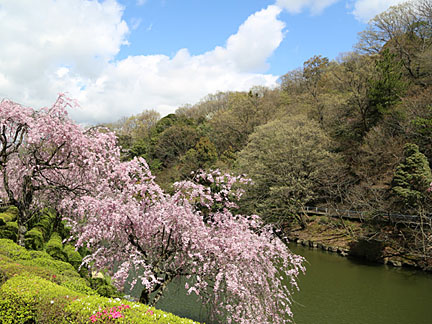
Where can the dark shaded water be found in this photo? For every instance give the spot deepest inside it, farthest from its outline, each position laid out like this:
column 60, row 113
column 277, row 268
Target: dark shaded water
column 337, row 290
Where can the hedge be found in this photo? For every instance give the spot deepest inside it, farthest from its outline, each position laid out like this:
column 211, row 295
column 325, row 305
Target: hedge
column 34, row 288
column 34, row 239
column 73, row 256
column 9, row 231
column 54, row 247
column 9, row 215
column 46, row 222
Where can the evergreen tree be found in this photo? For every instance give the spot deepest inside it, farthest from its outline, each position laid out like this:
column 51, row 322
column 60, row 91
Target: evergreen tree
column 412, row 178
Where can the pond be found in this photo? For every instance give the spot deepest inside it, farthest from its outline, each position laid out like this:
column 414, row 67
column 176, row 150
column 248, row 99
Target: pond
column 338, row 290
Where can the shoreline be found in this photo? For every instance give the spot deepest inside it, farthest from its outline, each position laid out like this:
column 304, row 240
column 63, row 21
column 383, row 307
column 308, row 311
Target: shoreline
column 346, row 246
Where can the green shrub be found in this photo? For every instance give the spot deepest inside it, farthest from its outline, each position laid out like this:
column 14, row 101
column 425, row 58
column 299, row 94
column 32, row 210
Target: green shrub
column 55, row 265
column 30, row 298
column 40, row 264
column 9, row 215
column 34, row 239
column 37, row 254
column 16, row 252
column 108, row 291
column 323, row 220
column 12, row 268
column 102, row 285
column 3, row 277
column 73, row 257
column 46, row 222
column 63, row 229
column 76, row 284
column 34, row 288
column 9, row 231
column 54, row 247
column 80, row 310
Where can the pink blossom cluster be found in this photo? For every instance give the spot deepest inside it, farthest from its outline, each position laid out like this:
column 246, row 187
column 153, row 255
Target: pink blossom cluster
column 113, row 312
column 240, row 268
column 46, row 158
column 210, row 188
column 116, row 209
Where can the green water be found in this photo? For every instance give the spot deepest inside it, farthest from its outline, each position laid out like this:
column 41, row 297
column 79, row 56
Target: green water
column 337, row 290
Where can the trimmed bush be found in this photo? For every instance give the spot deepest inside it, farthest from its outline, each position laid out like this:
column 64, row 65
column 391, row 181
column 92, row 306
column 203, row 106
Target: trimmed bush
column 34, row 239
column 16, row 252
column 46, row 223
column 82, row 309
column 63, row 229
column 54, row 247
column 3, row 277
column 55, row 265
column 30, row 298
column 102, row 285
column 15, row 260
column 9, row 215
column 9, row 231
column 73, row 257
column 34, row 288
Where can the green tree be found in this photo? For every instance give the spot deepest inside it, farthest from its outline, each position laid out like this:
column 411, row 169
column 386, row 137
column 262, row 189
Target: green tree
column 230, row 128
column 287, row 160
column 412, row 178
column 206, row 107
column 406, row 30
column 202, row 156
column 387, row 86
column 130, row 130
column 355, row 113
column 418, row 126
column 314, row 74
column 173, row 142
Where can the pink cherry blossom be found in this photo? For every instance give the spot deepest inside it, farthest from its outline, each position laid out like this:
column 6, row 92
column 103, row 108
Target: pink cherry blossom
column 239, row 267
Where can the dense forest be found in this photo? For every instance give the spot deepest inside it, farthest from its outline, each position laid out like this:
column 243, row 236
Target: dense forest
column 351, row 133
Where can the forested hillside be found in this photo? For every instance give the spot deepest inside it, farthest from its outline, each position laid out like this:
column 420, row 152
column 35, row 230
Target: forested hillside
column 351, row 133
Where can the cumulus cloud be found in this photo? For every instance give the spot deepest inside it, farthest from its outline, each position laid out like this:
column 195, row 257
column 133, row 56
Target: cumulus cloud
column 364, row 10
column 70, row 46
column 38, row 40
column 297, row 6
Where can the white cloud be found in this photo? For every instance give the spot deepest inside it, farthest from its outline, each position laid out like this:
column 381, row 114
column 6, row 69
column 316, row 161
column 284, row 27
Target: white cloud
column 70, row 46
column 364, row 10
column 38, row 39
column 297, row 6
column 162, row 82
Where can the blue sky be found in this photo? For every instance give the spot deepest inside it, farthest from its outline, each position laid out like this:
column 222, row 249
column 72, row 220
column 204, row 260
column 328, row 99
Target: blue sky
column 120, row 57
column 167, row 26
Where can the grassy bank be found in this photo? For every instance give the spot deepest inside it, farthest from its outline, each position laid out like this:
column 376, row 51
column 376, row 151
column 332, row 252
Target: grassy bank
column 36, row 288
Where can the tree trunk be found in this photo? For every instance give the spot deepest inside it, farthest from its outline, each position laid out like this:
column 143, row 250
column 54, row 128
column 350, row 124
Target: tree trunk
column 144, row 298
column 159, row 290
